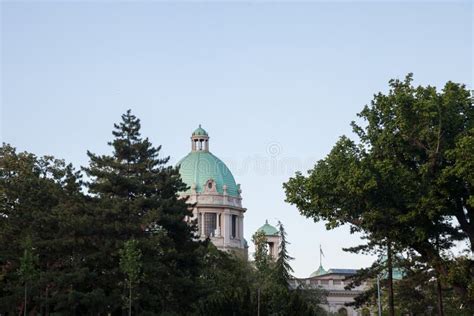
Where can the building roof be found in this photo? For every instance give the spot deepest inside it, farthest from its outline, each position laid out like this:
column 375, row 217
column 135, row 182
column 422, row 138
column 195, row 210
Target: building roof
column 342, row 271
column 321, row 271
column 268, row 229
column 200, row 166
column 199, row 131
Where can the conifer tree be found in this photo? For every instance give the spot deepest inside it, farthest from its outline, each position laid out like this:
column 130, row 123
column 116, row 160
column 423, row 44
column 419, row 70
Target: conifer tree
column 136, row 196
column 283, row 268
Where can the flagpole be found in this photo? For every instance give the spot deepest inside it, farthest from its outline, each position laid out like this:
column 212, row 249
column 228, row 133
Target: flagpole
column 320, row 256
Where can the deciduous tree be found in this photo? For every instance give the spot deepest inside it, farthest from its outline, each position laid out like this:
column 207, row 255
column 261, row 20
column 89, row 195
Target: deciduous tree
column 408, row 180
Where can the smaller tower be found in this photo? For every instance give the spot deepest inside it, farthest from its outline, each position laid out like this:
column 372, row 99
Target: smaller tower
column 200, row 140
column 273, row 239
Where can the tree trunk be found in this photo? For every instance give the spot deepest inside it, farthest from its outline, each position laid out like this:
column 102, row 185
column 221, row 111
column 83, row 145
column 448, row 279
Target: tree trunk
column 391, row 305
column 258, row 302
column 432, row 257
column 26, row 297
column 130, row 299
column 440, row 297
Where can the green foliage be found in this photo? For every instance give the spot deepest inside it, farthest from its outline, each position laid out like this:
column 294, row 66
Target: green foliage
column 126, row 228
column 130, row 260
column 27, row 270
column 408, row 181
column 78, row 236
column 40, row 200
column 136, row 197
column 228, row 283
column 261, row 255
column 272, row 279
column 130, row 265
column 282, row 269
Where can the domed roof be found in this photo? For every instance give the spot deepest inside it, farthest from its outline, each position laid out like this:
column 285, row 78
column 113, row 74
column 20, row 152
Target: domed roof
column 199, row 131
column 268, row 229
column 318, row 272
column 200, row 166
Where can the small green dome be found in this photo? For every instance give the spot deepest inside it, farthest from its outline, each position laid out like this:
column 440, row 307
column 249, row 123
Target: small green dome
column 318, row 272
column 200, row 131
column 200, row 166
column 268, row 229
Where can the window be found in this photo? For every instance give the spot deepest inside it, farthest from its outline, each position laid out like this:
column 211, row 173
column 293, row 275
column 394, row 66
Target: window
column 210, row 224
column 209, row 184
column 270, row 248
column 234, row 226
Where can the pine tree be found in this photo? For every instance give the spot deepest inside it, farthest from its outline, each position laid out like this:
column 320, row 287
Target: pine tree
column 283, row 268
column 136, row 196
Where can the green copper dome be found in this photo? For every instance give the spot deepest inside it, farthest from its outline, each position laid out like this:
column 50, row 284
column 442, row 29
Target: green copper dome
column 200, row 131
column 318, row 272
column 200, row 166
column 268, row 229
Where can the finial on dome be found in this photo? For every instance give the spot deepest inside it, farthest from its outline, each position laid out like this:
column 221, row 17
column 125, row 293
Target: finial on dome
column 200, row 131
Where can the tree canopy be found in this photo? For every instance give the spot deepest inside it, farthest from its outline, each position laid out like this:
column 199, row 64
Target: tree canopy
column 89, row 247
column 406, row 179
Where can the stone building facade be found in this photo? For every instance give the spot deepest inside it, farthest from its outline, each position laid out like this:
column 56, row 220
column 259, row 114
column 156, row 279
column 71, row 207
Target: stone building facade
column 333, row 282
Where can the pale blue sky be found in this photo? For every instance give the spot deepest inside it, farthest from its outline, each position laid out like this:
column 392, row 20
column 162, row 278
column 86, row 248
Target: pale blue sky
column 274, row 84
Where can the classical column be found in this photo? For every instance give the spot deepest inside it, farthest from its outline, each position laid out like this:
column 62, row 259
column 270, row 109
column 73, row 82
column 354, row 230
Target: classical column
column 241, row 227
column 218, row 225
column 203, row 232
column 226, row 228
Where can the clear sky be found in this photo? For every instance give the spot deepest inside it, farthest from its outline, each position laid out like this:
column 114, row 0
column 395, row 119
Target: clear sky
column 274, row 84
